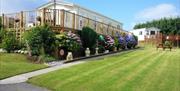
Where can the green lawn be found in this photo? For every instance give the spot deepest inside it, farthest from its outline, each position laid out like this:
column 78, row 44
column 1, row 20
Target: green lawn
column 13, row 64
column 141, row 70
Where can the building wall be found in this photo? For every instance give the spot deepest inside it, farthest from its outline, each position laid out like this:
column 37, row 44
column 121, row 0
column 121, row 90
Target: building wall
column 144, row 32
column 137, row 33
column 97, row 17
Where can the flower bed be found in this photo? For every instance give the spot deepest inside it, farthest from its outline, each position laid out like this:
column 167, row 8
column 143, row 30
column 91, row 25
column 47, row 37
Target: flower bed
column 43, row 43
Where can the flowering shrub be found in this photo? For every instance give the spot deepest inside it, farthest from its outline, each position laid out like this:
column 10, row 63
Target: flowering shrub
column 69, row 40
column 109, row 43
column 131, row 41
column 101, row 43
column 122, row 42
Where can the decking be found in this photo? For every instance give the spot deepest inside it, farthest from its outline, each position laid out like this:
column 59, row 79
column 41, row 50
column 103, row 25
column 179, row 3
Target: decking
column 58, row 20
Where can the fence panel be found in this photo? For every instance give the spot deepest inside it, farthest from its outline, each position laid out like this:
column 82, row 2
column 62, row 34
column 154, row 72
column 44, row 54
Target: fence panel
column 59, row 19
column 68, row 20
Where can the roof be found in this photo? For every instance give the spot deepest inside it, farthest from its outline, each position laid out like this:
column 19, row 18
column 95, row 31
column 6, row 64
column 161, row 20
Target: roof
column 144, row 29
column 62, row 2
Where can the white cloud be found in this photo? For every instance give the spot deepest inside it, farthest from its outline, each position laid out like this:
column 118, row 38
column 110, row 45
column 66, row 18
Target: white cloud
column 157, row 12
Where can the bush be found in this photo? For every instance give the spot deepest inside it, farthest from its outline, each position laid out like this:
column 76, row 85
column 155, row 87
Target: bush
column 2, row 34
column 109, row 43
column 116, row 42
column 88, row 37
column 101, row 43
column 69, row 41
column 47, row 58
column 122, row 42
column 131, row 41
column 38, row 37
column 9, row 42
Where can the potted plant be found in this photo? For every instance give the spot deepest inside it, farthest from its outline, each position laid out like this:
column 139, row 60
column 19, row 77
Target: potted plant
column 17, row 20
column 38, row 18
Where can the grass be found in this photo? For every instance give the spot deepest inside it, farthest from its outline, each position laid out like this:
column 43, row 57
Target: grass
column 141, row 70
column 13, row 64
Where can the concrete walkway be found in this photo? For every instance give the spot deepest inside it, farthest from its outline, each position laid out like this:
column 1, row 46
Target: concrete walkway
column 24, row 77
column 21, row 87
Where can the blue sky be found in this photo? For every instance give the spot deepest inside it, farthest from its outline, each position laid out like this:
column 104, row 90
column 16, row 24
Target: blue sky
column 129, row 12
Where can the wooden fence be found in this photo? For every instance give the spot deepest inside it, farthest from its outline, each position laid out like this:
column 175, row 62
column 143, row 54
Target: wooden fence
column 161, row 38
column 59, row 20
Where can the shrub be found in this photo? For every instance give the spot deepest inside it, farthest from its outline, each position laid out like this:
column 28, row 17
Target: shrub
column 88, row 37
column 109, row 43
column 38, row 37
column 69, row 41
column 122, row 42
column 116, row 42
column 9, row 42
column 131, row 41
column 47, row 58
column 101, row 43
column 2, row 34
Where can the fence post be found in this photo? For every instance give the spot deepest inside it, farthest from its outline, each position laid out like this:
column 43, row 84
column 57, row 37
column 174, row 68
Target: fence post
column 54, row 18
column 21, row 24
column 43, row 16
column 73, row 22
column 3, row 21
column 62, row 20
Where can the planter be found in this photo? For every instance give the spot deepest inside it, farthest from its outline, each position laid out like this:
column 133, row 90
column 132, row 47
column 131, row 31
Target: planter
column 97, row 49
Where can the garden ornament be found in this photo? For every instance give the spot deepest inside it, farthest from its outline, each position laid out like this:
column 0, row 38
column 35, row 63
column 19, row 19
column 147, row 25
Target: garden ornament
column 69, row 56
column 87, row 52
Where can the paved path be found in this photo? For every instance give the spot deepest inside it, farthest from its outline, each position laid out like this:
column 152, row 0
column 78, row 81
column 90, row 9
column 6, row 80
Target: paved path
column 21, row 87
column 24, row 77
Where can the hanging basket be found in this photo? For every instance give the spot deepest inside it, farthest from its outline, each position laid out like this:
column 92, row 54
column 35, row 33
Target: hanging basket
column 38, row 18
column 17, row 20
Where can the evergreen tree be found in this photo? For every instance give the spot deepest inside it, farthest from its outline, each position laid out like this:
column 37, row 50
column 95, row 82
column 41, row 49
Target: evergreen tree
column 166, row 25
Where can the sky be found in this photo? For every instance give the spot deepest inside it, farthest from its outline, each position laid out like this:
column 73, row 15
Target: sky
column 128, row 12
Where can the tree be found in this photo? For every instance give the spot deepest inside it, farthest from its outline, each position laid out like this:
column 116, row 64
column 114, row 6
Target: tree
column 88, row 37
column 166, row 25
